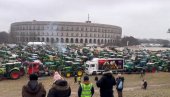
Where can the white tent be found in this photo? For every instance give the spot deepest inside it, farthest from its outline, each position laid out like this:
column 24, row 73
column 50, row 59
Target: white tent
column 36, row 43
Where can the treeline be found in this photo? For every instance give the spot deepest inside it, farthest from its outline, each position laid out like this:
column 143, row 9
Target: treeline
column 4, row 37
column 129, row 40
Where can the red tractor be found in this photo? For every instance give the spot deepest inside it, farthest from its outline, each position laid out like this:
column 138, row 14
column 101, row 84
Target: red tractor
column 37, row 68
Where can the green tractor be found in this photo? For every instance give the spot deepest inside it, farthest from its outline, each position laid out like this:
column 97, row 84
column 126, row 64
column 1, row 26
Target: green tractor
column 53, row 65
column 129, row 66
column 166, row 66
column 72, row 68
column 10, row 70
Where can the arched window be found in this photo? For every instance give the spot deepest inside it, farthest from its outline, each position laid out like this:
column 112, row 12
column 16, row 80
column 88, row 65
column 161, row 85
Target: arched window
column 47, row 39
column 43, row 39
column 86, row 41
column 81, row 40
column 98, row 41
column 76, row 40
column 105, row 41
column 90, row 41
column 67, row 40
column 52, row 40
column 102, row 41
column 38, row 39
column 62, row 40
column 27, row 39
column 72, row 41
column 94, row 41
column 57, row 40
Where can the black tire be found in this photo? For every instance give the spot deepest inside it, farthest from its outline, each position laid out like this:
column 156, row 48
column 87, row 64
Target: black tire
column 94, row 73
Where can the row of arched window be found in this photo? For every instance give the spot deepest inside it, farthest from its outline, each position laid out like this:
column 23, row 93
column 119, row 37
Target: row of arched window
column 65, row 40
column 102, row 35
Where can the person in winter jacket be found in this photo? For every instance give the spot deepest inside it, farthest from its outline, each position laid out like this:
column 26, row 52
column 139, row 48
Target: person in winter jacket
column 86, row 88
column 106, row 84
column 60, row 88
column 33, row 88
column 119, row 85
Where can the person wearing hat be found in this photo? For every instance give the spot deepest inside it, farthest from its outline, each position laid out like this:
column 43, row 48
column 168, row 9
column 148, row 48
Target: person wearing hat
column 86, row 88
column 33, row 88
column 106, row 83
column 60, row 88
column 119, row 85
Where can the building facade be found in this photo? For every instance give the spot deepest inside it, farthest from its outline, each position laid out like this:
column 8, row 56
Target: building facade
column 65, row 32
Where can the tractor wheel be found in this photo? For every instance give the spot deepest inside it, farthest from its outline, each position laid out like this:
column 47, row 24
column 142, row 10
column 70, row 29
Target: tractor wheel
column 68, row 74
column 80, row 73
column 22, row 72
column 15, row 74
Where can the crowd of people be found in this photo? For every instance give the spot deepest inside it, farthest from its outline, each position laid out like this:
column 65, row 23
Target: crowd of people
column 61, row 88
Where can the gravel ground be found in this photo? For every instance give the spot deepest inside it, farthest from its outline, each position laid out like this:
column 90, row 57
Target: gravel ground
column 159, row 86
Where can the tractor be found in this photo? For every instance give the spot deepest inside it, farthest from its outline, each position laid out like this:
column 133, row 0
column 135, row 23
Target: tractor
column 37, row 68
column 166, row 66
column 11, row 70
column 72, row 68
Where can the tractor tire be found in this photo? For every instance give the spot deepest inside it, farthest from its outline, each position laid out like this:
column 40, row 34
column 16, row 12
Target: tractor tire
column 14, row 74
column 79, row 73
column 68, row 74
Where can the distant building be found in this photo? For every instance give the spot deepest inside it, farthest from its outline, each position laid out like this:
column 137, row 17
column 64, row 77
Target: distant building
column 65, row 32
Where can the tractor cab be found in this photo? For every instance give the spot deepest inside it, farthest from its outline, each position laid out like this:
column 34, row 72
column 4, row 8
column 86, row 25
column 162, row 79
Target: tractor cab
column 34, row 67
column 51, row 65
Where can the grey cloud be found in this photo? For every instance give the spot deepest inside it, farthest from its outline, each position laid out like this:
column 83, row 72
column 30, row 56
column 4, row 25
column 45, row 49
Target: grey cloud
column 140, row 18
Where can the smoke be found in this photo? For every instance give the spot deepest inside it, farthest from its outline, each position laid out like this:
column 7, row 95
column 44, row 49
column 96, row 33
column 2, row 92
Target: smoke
column 52, row 31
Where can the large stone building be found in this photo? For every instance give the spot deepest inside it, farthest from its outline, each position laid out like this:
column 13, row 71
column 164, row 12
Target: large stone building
column 65, row 32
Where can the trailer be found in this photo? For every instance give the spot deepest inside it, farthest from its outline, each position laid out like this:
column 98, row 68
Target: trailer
column 99, row 65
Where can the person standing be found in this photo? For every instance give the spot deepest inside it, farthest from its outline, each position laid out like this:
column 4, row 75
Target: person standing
column 106, row 83
column 57, row 76
column 86, row 88
column 96, row 78
column 119, row 85
column 79, row 79
column 75, row 78
column 144, row 84
column 60, row 88
column 33, row 88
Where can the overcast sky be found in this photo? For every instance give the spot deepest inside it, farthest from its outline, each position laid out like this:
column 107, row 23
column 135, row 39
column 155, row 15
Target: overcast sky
column 138, row 18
